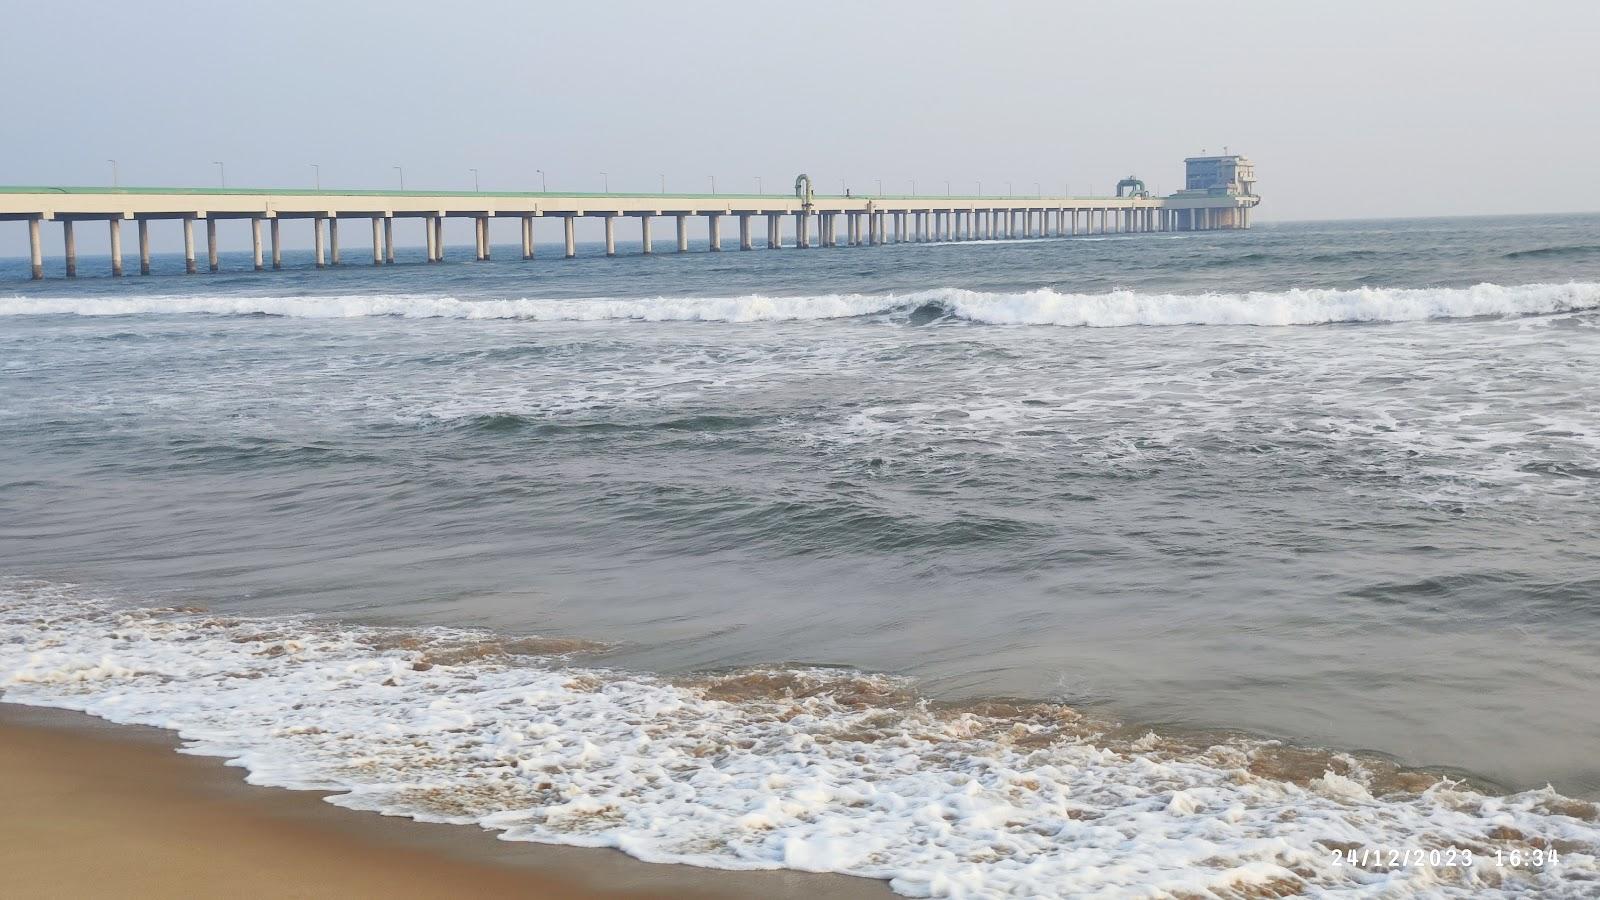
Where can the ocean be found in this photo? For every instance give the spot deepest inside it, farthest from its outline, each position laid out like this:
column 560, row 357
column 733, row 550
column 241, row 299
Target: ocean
column 1172, row 562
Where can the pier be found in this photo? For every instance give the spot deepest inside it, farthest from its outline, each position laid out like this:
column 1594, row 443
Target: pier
column 1218, row 194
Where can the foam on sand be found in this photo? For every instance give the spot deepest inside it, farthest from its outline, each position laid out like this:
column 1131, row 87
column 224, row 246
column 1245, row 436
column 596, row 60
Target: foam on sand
column 809, row 770
column 1311, row 306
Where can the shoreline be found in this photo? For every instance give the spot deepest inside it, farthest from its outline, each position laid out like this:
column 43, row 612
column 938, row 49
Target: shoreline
column 92, row 803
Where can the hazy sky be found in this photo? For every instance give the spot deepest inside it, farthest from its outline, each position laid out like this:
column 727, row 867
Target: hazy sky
column 1349, row 109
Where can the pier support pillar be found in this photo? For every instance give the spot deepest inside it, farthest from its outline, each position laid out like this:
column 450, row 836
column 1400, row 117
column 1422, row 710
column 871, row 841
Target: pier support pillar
column 144, row 246
column 527, row 237
column 188, row 245
column 36, row 249
column 714, row 224
column 774, row 237
column 744, row 232
column 255, row 242
column 115, row 227
column 388, row 240
column 801, row 241
column 319, row 250
column 70, row 241
column 212, row 263
column 480, row 230
column 644, row 234
column 277, row 244
column 569, row 236
column 682, row 224
column 429, row 235
column 333, row 240
column 611, row 234
column 438, row 236
column 377, row 240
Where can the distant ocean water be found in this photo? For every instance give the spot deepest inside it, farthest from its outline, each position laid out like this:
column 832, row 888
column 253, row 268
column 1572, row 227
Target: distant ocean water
column 1049, row 566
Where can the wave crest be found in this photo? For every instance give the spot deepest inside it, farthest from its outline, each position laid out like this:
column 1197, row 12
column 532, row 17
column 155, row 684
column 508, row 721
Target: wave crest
column 1045, row 306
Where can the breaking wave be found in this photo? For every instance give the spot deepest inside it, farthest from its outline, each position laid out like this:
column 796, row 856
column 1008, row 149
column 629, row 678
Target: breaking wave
column 1037, row 307
column 816, row 770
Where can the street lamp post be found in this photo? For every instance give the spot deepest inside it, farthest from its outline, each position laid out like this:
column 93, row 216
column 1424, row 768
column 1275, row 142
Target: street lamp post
column 316, row 176
column 605, row 183
column 475, row 188
column 947, row 188
column 113, row 172
column 663, row 181
column 222, row 173
column 980, row 189
column 1008, row 190
column 542, row 188
column 880, row 187
column 713, row 184
column 1037, row 191
column 402, row 173
column 758, row 184
column 913, row 187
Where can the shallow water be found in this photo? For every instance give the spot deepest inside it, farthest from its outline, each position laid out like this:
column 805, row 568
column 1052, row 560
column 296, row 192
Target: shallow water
column 1341, row 496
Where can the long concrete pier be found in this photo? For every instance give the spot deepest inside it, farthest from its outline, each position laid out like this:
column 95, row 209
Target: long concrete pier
column 814, row 220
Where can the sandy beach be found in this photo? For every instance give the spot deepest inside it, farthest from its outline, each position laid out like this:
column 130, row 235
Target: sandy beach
column 93, row 809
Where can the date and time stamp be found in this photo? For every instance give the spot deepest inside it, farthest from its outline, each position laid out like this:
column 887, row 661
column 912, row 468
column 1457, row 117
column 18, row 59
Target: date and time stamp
column 1538, row 858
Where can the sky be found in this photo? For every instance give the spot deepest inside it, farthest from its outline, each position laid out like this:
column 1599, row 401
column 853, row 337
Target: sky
column 1350, row 109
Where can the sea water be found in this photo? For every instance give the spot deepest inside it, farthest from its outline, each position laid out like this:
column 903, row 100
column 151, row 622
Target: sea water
column 1176, row 562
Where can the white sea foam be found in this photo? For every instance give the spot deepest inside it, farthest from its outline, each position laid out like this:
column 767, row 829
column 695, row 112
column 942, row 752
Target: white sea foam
column 943, row 804
column 1038, row 307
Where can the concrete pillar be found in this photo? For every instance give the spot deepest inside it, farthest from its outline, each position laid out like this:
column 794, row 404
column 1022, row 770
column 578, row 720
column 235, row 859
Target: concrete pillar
column 611, row 234
column 277, row 245
column 527, row 236
column 644, row 234
column 144, row 246
column 333, row 240
column 188, row 245
column 438, row 237
column 377, row 240
column 36, row 250
column 429, row 236
column 569, row 235
column 70, row 241
column 211, row 245
column 801, row 238
column 480, row 231
column 319, row 251
column 774, row 225
column 388, row 240
column 683, row 232
column 714, row 221
column 744, row 232
column 488, row 246
column 255, row 242
column 115, row 227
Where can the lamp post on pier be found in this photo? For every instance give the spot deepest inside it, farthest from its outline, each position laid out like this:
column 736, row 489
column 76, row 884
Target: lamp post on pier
column 402, row 173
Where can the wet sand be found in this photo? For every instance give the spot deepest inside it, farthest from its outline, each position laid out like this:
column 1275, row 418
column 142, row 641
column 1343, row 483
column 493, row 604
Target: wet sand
column 94, row 809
